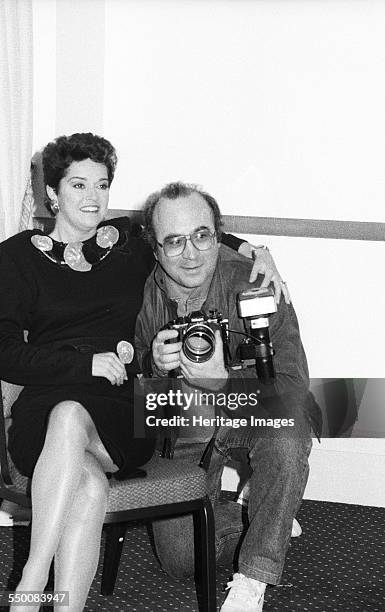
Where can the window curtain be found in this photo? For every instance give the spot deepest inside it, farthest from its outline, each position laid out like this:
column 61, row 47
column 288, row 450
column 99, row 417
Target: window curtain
column 16, row 108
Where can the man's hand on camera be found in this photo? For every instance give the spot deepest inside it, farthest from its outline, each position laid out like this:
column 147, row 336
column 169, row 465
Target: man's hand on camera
column 166, row 356
column 212, row 372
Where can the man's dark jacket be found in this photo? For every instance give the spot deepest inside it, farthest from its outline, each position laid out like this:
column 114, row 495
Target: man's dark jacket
column 230, row 277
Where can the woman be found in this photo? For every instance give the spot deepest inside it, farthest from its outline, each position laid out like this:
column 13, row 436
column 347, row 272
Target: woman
column 77, row 292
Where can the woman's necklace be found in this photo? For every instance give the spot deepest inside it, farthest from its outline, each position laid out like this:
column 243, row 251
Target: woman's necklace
column 71, row 254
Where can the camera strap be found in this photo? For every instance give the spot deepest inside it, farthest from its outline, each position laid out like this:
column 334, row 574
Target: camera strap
column 207, row 454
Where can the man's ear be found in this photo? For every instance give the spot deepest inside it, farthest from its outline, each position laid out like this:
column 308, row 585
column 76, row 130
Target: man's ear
column 51, row 193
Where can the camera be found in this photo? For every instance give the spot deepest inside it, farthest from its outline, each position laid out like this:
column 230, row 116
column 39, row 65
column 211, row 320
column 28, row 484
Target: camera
column 254, row 306
column 197, row 333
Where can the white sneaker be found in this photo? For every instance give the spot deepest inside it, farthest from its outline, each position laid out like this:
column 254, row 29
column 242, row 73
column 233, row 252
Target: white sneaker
column 246, row 595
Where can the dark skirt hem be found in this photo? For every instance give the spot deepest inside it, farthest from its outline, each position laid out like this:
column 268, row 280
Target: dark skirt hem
column 111, row 410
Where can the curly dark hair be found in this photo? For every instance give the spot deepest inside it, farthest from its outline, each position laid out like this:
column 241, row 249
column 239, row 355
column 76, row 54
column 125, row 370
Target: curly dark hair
column 59, row 155
column 173, row 191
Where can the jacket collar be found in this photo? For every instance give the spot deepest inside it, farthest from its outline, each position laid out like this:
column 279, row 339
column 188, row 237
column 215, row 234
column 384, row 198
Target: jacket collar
column 209, row 296
column 185, row 303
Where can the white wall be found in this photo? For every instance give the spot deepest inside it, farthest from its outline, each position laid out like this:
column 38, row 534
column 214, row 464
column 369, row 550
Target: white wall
column 276, row 106
column 44, row 72
column 69, row 51
column 338, row 292
column 349, row 471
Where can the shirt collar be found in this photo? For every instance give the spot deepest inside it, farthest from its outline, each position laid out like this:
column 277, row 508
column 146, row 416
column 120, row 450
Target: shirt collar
column 186, row 302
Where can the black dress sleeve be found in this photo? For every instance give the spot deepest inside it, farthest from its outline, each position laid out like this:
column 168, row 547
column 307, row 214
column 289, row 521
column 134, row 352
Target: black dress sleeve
column 21, row 362
column 148, row 254
column 134, row 238
column 231, row 241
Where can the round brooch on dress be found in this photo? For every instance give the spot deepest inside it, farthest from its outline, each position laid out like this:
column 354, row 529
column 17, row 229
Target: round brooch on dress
column 74, row 257
column 43, row 243
column 72, row 254
column 107, row 236
column 125, row 351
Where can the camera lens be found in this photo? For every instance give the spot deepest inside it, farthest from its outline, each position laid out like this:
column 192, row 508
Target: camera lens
column 199, row 343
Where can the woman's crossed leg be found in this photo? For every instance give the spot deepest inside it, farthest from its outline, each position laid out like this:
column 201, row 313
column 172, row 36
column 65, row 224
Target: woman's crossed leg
column 69, row 498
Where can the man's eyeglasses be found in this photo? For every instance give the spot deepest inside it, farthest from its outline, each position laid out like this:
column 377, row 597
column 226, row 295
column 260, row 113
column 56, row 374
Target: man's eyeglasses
column 175, row 245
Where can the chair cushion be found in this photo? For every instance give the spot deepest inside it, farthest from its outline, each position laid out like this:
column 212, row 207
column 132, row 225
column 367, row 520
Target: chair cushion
column 168, row 481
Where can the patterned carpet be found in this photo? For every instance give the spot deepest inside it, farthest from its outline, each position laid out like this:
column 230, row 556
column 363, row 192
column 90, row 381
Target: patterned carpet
column 337, row 565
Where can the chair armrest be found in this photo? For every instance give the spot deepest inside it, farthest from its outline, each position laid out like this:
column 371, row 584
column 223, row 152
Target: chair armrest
column 5, row 476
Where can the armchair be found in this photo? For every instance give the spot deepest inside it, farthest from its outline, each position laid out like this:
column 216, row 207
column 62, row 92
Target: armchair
column 171, row 488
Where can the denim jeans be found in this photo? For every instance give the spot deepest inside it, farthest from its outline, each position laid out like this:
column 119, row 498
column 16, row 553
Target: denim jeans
column 279, row 470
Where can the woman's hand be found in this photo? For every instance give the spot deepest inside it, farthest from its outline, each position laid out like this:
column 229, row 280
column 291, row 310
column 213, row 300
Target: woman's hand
column 264, row 264
column 166, row 356
column 108, row 365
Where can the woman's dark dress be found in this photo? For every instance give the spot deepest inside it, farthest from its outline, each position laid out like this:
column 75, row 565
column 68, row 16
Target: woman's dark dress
column 69, row 316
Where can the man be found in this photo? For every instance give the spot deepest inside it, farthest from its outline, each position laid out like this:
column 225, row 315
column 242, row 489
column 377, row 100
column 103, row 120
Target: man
column 195, row 272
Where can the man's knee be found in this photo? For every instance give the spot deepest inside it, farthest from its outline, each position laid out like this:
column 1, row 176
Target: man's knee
column 174, row 544
column 288, row 453
column 292, row 451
